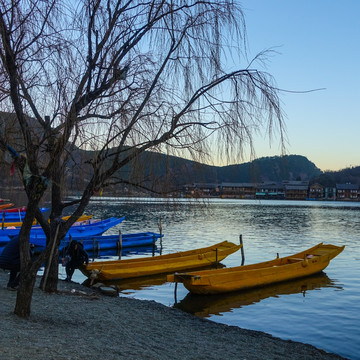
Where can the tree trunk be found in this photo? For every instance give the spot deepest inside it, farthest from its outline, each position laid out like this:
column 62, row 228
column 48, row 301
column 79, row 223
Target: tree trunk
column 35, row 190
column 24, row 294
column 50, row 279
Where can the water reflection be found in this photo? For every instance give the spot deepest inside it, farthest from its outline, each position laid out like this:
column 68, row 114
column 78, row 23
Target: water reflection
column 205, row 306
column 268, row 227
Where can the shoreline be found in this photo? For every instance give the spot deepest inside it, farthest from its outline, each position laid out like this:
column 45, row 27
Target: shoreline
column 78, row 323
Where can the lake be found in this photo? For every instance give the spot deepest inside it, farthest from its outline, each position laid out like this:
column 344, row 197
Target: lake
column 322, row 310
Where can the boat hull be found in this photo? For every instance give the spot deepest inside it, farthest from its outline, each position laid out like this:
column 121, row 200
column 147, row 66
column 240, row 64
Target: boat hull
column 5, row 206
column 84, row 229
column 12, row 216
column 104, row 242
column 306, row 263
column 132, row 268
column 19, row 223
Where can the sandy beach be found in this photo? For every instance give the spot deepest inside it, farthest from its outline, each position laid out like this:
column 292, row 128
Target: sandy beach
column 80, row 323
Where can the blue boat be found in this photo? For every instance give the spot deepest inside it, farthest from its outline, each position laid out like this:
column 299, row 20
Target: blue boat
column 104, row 242
column 16, row 216
column 110, row 253
column 82, row 230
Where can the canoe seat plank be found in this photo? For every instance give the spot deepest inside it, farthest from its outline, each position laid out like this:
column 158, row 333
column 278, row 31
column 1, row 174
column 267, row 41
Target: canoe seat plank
column 295, row 259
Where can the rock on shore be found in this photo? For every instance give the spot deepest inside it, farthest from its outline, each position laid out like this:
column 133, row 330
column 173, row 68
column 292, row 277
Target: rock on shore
column 78, row 323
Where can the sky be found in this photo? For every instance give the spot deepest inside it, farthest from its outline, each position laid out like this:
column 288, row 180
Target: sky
column 318, row 47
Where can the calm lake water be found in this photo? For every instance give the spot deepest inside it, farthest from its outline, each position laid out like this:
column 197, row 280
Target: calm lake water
column 323, row 310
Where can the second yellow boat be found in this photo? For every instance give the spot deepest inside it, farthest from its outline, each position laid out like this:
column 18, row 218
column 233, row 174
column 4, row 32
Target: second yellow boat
column 237, row 278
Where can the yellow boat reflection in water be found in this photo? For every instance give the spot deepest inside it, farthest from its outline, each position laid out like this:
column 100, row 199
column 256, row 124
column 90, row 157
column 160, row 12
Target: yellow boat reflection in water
column 205, row 306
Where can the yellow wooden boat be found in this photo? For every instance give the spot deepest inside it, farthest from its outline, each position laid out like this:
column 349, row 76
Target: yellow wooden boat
column 14, row 224
column 6, row 206
column 216, row 281
column 133, row 268
column 81, row 218
column 19, row 223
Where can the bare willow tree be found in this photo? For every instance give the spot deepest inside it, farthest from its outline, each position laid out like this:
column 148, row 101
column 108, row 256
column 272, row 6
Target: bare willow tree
column 119, row 78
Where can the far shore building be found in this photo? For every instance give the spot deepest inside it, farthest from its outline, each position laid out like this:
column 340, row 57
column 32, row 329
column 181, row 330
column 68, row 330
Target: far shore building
column 270, row 190
column 347, row 192
column 289, row 190
column 296, row 190
column 238, row 190
column 329, row 193
column 202, row 189
column 316, row 191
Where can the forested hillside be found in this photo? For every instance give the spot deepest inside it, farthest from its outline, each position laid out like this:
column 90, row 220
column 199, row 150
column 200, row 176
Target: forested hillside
column 165, row 173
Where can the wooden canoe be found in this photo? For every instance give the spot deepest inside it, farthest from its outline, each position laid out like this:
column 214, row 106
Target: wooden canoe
column 103, row 242
column 302, row 264
column 15, row 210
column 78, row 230
column 15, row 214
column 132, row 268
column 5, row 206
column 81, row 218
column 19, row 223
column 14, row 224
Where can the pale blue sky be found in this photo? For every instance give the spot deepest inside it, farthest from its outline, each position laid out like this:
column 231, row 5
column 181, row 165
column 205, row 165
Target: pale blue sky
column 319, row 47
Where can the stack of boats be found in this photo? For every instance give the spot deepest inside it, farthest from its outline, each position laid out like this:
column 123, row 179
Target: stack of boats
column 182, row 267
column 86, row 230
column 13, row 216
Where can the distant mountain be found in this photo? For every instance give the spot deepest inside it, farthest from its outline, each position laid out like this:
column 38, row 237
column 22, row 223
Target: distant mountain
column 165, row 173
column 276, row 168
column 163, row 169
column 162, row 172
column 331, row 178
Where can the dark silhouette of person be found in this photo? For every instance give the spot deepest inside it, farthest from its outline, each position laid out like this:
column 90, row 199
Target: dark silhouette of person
column 10, row 260
column 73, row 257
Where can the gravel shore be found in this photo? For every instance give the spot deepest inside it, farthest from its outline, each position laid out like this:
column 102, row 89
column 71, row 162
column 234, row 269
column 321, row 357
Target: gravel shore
column 80, row 323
